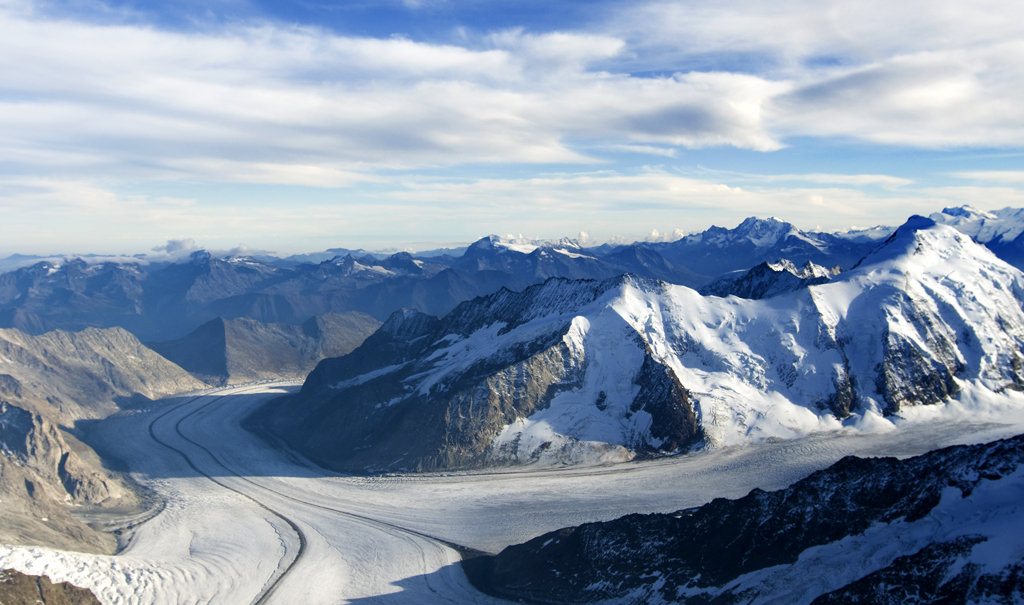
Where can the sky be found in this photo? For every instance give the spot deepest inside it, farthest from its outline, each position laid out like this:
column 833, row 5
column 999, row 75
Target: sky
column 293, row 127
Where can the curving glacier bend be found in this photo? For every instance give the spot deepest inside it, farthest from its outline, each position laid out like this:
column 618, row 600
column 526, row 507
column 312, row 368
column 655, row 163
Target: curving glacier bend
column 224, row 535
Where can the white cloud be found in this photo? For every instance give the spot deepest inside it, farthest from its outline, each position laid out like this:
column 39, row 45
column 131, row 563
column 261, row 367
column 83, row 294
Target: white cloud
column 658, row 236
column 644, row 149
column 175, row 246
column 296, row 105
column 107, row 107
column 1000, row 176
column 929, row 74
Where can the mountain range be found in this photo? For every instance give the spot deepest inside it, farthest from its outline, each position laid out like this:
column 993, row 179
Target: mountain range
column 159, row 300
column 592, row 371
column 548, row 354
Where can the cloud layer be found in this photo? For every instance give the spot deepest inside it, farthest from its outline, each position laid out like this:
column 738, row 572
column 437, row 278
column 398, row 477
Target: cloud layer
column 89, row 110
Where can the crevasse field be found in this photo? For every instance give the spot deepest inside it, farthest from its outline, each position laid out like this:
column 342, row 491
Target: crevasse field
column 248, row 523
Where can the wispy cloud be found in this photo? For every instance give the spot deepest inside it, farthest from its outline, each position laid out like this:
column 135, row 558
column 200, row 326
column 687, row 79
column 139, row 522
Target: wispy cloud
column 667, row 152
column 999, row 176
column 841, row 179
column 304, row 106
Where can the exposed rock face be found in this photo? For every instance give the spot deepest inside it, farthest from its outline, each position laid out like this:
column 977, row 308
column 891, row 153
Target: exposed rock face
column 769, row 279
column 584, row 371
column 245, row 350
column 19, row 589
column 871, row 522
column 56, row 379
column 84, row 374
column 39, row 475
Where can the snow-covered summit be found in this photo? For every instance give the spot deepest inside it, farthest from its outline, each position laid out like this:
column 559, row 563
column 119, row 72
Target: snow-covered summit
column 764, row 231
column 761, row 232
column 587, row 371
column 769, row 279
column 524, row 245
column 1002, row 226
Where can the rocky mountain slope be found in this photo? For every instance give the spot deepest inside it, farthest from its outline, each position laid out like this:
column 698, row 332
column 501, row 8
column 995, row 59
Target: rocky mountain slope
column 245, row 350
column 20, row 589
column 939, row 528
column 769, row 279
column 86, row 374
column 585, row 371
column 533, row 261
column 169, row 300
column 47, row 383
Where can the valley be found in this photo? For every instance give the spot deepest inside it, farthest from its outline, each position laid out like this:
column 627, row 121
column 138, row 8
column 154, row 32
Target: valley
column 246, row 523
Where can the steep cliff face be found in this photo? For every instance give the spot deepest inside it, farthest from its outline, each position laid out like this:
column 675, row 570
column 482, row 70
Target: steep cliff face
column 931, row 529
column 40, row 475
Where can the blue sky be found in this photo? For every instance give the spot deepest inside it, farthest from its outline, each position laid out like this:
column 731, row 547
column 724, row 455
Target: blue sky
column 295, row 127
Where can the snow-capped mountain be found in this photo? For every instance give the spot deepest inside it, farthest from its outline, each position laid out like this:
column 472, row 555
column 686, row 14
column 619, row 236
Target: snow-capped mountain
column 939, row 528
column 536, row 260
column 718, row 250
column 1002, row 231
column 533, row 259
column 584, row 371
column 769, row 279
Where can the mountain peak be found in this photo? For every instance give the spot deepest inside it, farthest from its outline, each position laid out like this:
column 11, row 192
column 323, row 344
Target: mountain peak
column 520, row 244
column 966, row 211
column 200, row 257
column 764, row 231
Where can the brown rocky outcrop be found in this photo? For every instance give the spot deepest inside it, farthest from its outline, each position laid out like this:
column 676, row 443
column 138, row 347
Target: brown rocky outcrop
column 20, row 589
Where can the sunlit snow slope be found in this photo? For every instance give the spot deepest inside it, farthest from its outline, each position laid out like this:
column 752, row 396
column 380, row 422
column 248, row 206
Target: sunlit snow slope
column 584, row 371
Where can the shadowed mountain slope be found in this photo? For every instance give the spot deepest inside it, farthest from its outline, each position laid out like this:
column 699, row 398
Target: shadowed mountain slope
column 245, row 350
column 933, row 529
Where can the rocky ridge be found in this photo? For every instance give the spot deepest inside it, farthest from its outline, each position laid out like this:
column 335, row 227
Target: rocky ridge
column 47, row 384
column 769, row 279
column 20, row 589
column 931, row 529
